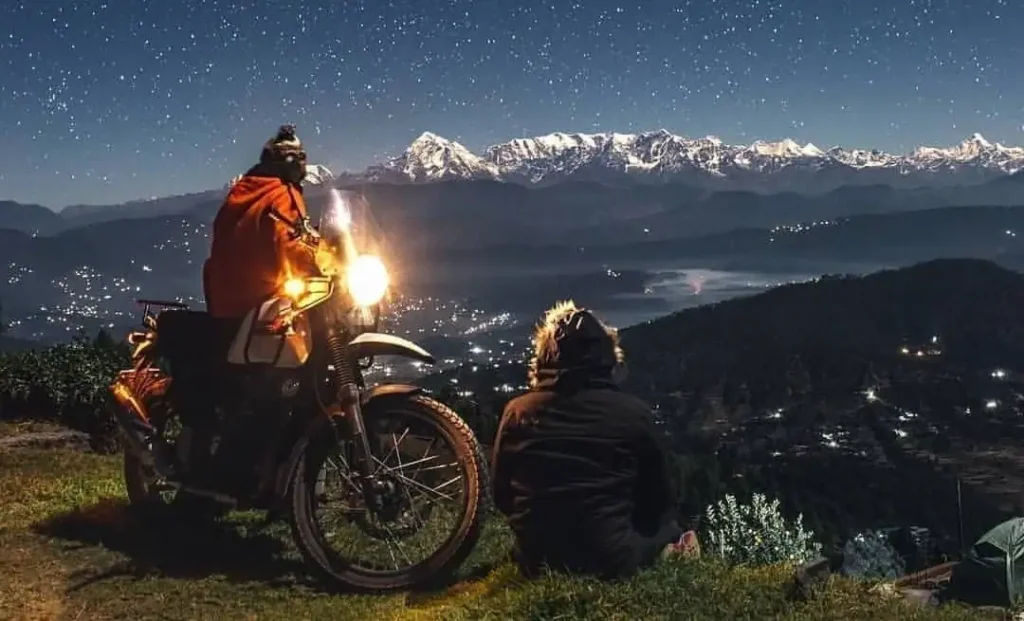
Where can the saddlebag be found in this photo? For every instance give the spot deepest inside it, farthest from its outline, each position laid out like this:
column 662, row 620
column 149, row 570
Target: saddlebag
column 256, row 343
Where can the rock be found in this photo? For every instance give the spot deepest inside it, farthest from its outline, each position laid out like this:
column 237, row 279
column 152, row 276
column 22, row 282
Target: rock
column 885, row 589
column 923, row 597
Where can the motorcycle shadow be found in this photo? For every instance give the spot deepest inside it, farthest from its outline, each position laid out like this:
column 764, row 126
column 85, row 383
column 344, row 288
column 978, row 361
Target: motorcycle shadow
column 234, row 549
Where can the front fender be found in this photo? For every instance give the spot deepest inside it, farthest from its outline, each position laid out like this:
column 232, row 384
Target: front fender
column 376, row 344
column 383, row 390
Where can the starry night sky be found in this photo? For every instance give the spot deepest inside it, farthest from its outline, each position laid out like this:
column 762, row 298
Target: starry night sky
column 109, row 101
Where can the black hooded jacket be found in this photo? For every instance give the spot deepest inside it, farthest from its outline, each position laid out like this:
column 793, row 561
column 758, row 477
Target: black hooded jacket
column 581, row 476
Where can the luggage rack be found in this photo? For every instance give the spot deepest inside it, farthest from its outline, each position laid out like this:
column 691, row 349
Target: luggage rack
column 148, row 317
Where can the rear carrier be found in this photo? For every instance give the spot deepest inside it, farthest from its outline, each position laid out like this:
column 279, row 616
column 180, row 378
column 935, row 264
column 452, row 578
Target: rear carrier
column 149, row 317
column 132, row 387
column 129, row 391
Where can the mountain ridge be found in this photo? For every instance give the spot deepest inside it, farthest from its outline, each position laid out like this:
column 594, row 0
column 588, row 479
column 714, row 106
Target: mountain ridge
column 653, row 162
column 37, row 219
column 657, row 156
column 485, row 211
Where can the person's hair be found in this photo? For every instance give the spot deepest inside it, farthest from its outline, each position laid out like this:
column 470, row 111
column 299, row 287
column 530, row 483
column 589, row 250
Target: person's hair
column 546, row 334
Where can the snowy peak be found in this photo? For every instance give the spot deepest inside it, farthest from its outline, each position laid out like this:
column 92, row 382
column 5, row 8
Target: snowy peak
column 785, row 148
column 433, row 158
column 551, row 145
column 979, row 140
column 659, row 155
column 429, row 141
column 973, row 147
column 318, row 174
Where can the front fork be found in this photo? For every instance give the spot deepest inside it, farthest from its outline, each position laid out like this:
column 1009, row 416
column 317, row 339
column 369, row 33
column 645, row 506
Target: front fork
column 347, row 395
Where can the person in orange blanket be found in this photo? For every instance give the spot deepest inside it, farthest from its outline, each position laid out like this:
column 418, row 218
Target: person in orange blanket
column 254, row 247
column 254, row 251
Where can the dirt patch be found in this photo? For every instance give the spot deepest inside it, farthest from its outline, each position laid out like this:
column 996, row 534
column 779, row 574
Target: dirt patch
column 45, row 440
column 18, row 427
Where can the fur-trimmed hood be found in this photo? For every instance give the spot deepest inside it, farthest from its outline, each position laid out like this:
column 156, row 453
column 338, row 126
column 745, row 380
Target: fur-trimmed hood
column 547, row 355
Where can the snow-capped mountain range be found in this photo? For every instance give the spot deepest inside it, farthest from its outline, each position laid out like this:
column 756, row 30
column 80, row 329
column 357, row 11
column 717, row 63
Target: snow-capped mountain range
column 660, row 156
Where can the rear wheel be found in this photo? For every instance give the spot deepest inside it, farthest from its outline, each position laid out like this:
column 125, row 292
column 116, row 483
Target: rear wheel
column 428, row 510
column 151, row 495
column 147, row 491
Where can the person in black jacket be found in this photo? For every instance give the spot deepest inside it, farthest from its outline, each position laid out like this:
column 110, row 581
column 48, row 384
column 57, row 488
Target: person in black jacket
column 576, row 466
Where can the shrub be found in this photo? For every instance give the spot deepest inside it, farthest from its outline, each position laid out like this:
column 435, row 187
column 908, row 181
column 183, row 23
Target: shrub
column 67, row 383
column 756, row 533
column 870, row 556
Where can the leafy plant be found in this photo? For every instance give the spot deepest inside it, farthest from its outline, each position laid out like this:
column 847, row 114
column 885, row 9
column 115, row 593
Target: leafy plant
column 871, row 556
column 66, row 383
column 756, row 533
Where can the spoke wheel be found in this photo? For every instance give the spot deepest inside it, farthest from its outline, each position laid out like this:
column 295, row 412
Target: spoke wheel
column 425, row 514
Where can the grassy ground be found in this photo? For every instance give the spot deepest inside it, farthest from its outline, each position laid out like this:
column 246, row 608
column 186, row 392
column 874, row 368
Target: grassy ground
column 13, row 428
column 70, row 549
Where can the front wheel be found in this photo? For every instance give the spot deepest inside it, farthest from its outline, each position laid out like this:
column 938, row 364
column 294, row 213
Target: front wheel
column 426, row 516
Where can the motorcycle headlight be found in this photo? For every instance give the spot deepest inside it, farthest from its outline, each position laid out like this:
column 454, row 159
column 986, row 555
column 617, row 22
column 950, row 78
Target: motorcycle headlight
column 367, row 279
column 294, row 288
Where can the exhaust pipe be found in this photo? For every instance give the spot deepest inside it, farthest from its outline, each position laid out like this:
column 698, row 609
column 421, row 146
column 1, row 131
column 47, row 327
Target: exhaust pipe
column 223, row 499
column 133, row 420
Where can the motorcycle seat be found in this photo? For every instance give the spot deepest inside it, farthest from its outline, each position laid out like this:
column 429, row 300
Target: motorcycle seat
column 194, row 338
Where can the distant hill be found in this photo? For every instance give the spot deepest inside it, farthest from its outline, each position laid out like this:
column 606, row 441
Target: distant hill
column 723, row 211
column 972, row 305
column 81, row 215
column 482, row 212
column 992, row 232
column 858, row 400
column 103, row 245
column 108, row 263
column 28, row 218
column 492, row 217
column 35, row 219
column 972, row 231
column 433, row 247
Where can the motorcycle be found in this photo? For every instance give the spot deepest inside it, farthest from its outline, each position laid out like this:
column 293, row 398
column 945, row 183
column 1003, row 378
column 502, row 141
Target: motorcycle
column 273, row 413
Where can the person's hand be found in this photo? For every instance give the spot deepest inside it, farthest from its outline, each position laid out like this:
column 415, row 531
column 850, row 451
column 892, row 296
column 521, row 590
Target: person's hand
column 687, row 546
